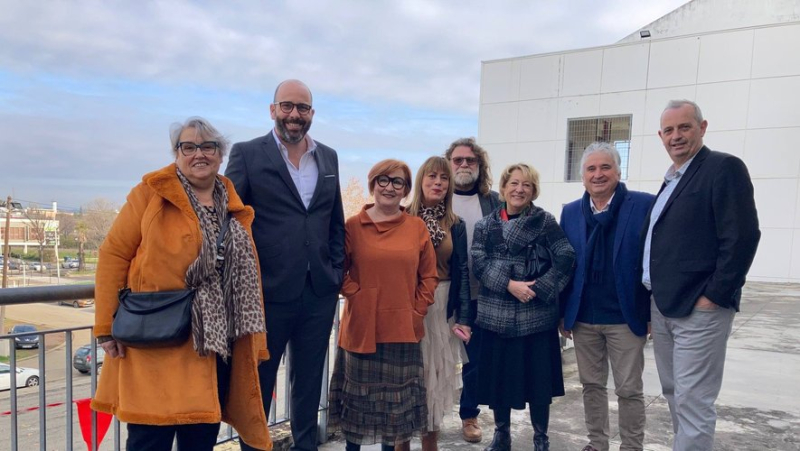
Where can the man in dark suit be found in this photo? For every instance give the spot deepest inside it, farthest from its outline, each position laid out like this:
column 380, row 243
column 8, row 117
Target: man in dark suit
column 292, row 182
column 605, row 309
column 702, row 235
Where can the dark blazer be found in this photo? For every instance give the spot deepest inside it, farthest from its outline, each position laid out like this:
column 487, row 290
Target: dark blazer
column 489, row 202
column 634, row 300
column 291, row 240
column 706, row 237
column 458, row 301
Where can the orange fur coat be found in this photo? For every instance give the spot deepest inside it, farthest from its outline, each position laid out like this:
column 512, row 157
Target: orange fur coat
column 149, row 248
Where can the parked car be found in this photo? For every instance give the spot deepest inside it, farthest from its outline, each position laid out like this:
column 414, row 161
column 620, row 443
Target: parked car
column 82, row 360
column 80, row 303
column 25, row 377
column 70, row 263
column 39, row 266
column 17, row 264
column 28, row 341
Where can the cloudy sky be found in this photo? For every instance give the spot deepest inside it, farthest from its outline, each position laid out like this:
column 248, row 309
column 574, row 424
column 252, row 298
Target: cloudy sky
column 88, row 89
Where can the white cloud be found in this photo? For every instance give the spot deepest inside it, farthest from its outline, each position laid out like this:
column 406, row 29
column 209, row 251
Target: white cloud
column 88, row 88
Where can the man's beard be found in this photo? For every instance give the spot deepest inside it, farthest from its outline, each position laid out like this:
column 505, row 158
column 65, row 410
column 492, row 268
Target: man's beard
column 292, row 137
column 465, row 180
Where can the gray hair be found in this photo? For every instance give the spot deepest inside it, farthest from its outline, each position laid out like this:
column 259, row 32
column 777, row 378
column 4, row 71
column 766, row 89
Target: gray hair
column 675, row 104
column 204, row 129
column 484, row 182
column 602, row 147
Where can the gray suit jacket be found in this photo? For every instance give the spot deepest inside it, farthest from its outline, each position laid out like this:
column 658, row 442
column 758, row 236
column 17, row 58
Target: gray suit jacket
column 291, row 241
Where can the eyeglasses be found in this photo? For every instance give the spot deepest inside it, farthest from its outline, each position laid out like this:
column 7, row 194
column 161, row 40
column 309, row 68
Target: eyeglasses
column 189, row 148
column 397, row 182
column 287, row 107
column 471, row 161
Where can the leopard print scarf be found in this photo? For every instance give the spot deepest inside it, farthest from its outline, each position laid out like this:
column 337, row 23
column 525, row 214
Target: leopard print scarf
column 433, row 217
column 227, row 303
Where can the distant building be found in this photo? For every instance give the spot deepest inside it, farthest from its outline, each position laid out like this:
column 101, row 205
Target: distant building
column 738, row 59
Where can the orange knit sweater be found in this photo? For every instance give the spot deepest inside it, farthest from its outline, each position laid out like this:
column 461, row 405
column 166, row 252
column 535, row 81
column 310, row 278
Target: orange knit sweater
column 390, row 277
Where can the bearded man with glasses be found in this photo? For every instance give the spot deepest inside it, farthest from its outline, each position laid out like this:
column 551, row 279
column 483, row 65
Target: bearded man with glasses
column 292, row 182
column 473, row 199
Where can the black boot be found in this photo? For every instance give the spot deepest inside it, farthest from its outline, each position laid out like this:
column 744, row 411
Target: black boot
column 540, row 418
column 350, row 446
column 502, row 431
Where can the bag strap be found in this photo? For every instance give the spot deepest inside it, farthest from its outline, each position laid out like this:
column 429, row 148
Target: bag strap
column 223, row 229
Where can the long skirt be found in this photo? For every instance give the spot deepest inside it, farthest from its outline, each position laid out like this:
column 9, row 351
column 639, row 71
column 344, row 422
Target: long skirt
column 441, row 350
column 380, row 397
column 513, row 371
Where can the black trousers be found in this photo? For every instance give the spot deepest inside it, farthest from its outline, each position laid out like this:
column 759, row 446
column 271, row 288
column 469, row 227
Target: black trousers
column 304, row 325
column 191, row 437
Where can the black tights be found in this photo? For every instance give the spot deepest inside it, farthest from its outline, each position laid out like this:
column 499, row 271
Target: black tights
column 540, row 416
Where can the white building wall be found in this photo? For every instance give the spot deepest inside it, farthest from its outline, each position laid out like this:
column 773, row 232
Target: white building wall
column 747, row 81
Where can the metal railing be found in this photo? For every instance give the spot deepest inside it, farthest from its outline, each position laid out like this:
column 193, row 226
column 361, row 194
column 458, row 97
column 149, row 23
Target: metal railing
column 65, row 399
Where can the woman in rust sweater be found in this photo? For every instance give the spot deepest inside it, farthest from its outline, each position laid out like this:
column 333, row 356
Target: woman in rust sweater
column 378, row 388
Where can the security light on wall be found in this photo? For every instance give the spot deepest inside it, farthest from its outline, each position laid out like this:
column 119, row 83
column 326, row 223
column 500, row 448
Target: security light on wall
column 644, row 34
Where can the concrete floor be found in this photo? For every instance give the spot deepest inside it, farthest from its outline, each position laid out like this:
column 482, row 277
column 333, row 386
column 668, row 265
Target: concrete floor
column 758, row 408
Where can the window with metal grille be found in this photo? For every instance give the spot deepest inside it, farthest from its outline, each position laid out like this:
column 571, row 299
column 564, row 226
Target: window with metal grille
column 584, row 131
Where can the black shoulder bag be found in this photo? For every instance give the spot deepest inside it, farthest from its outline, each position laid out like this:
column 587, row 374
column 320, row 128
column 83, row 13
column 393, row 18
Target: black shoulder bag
column 158, row 319
column 538, row 260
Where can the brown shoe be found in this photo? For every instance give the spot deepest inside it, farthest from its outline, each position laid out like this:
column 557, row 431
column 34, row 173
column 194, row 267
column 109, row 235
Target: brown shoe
column 471, row 430
column 589, row 448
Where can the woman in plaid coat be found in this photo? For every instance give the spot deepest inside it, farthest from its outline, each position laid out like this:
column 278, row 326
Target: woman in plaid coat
column 520, row 359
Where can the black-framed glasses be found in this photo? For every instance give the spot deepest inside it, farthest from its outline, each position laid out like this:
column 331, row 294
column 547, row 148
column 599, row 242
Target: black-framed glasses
column 397, row 182
column 471, row 161
column 188, row 148
column 287, row 107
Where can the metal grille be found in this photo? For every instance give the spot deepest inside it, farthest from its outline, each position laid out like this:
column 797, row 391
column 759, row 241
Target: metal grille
column 584, row 131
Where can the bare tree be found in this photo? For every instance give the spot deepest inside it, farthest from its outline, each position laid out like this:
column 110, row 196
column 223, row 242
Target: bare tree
column 66, row 229
column 97, row 217
column 37, row 228
column 353, row 197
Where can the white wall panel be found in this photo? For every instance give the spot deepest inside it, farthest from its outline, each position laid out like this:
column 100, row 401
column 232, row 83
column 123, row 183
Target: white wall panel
column 573, row 108
column 498, row 123
column 673, row 62
column 500, row 81
column 631, row 102
column 775, row 52
column 582, row 72
column 540, row 77
column 541, row 155
column 635, row 158
column 725, row 57
column 774, row 102
column 794, row 269
column 724, row 105
column 731, row 142
column 625, row 68
column 774, row 198
column 657, row 99
column 654, row 160
column 773, row 153
column 774, row 255
column 537, row 120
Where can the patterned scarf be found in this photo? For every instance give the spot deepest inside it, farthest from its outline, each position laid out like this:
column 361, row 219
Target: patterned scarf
column 432, row 217
column 227, row 302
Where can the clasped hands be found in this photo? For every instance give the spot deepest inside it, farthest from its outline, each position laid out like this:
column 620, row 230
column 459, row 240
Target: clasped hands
column 522, row 290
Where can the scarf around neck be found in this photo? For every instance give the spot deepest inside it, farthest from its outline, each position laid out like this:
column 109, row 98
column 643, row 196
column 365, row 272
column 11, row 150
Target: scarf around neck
column 432, row 216
column 227, row 303
column 599, row 227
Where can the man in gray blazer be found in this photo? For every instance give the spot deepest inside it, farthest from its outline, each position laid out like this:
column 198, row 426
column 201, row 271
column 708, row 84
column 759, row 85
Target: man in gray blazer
column 292, row 182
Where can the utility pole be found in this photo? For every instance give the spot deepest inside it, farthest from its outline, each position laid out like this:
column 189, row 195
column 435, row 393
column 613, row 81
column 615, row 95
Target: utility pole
column 4, row 343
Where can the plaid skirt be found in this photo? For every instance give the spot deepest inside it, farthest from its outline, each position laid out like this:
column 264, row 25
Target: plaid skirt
column 380, row 397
